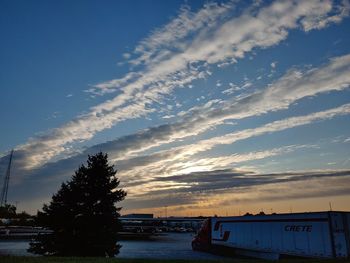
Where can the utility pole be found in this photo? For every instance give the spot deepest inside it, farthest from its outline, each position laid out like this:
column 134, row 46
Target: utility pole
column 6, row 183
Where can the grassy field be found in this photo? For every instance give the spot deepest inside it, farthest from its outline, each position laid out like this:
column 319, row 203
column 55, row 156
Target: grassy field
column 11, row 259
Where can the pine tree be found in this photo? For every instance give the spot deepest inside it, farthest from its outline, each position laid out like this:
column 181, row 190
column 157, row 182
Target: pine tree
column 82, row 214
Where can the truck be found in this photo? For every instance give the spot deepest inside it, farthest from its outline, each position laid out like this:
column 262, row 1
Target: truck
column 313, row 234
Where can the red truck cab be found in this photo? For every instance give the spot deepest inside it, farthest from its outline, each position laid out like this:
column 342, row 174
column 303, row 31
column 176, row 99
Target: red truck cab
column 202, row 241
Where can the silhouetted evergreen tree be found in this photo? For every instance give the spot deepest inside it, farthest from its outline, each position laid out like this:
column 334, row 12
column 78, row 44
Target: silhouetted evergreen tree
column 82, row 214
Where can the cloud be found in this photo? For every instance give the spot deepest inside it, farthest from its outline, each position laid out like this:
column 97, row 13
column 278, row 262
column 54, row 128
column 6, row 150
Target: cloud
column 113, row 85
column 122, row 149
column 212, row 41
column 320, row 20
column 175, row 161
column 233, row 88
column 172, row 57
column 54, row 115
column 230, row 178
column 181, row 158
column 138, row 173
column 174, row 34
column 294, row 85
column 200, row 189
column 291, row 87
column 168, row 116
column 126, row 55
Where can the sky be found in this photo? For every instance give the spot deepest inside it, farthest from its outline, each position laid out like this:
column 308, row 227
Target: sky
column 204, row 107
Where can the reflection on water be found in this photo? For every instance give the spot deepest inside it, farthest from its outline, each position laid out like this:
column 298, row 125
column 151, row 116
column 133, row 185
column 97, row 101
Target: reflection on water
column 173, row 245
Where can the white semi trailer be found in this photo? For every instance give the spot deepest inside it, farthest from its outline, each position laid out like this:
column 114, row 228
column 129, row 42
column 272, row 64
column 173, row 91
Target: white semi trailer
column 317, row 234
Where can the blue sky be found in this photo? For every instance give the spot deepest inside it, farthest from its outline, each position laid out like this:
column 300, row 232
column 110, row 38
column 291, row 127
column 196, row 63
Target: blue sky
column 204, row 107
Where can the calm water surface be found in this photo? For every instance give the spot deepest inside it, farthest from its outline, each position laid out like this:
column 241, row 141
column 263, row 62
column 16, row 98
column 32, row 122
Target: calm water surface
column 172, row 246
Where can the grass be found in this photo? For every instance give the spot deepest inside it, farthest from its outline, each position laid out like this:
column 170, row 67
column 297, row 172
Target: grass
column 15, row 259
column 11, row 259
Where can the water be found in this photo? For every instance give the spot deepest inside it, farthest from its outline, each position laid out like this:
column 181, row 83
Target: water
column 169, row 246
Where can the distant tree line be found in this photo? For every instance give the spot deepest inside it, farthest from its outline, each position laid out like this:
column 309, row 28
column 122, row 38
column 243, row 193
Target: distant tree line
column 9, row 216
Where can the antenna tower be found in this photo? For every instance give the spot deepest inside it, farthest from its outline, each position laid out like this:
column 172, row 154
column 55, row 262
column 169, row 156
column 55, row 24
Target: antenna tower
column 5, row 187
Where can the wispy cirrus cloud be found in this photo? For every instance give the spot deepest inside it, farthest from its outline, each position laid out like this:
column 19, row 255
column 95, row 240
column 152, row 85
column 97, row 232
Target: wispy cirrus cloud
column 170, row 38
column 294, row 85
column 317, row 22
column 171, row 161
column 291, row 87
column 140, row 174
column 165, row 42
column 210, row 43
column 181, row 158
